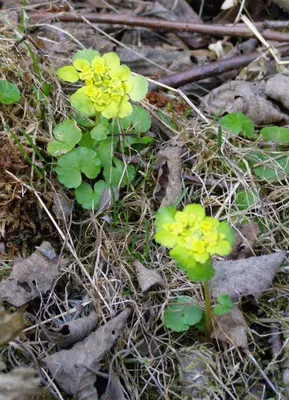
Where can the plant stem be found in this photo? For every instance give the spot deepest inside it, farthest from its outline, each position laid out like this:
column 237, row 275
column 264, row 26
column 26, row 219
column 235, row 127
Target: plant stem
column 208, row 312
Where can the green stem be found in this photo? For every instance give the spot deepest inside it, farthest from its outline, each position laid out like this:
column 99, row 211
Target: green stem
column 208, row 311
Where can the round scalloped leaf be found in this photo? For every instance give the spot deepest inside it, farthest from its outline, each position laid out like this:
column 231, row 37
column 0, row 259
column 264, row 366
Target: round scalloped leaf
column 140, row 87
column 118, row 175
column 9, row 93
column 89, row 198
column 82, row 103
column 68, row 74
column 139, row 119
column 226, row 230
column 100, row 131
column 72, row 165
column 275, row 134
column 67, row 135
column 88, row 142
column 238, row 123
column 245, row 199
column 182, row 314
column 201, row 272
column 87, row 55
column 225, row 305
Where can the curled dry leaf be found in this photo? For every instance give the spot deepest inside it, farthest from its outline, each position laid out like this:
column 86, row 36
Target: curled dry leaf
column 250, row 276
column 19, row 384
column 31, row 276
column 10, row 325
column 231, row 328
column 194, row 371
column 277, row 88
column 245, row 97
column 147, row 277
column 169, row 183
column 73, row 331
column 75, row 369
column 245, row 239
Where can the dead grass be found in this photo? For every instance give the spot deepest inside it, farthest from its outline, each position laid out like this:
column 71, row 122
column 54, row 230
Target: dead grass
column 101, row 250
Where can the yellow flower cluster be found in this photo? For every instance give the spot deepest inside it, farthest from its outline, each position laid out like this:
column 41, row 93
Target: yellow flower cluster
column 108, row 85
column 191, row 234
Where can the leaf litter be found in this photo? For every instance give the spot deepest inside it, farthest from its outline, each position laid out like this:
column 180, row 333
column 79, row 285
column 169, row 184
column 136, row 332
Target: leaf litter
column 209, row 373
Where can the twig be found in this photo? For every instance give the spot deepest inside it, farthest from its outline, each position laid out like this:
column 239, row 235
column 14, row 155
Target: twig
column 153, row 23
column 216, row 68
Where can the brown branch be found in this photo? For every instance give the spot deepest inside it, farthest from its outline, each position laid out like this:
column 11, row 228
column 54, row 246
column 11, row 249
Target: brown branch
column 128, row 20
column 213, row 69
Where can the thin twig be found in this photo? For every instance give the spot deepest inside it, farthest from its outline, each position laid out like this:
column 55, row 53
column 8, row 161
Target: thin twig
column 170, row 26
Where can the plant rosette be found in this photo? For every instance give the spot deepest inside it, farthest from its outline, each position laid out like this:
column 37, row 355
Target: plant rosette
column 193, row 238
column 108, row 85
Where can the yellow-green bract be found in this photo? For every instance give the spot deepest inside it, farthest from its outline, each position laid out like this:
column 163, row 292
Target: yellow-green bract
column 193, row 238
column 108, row 85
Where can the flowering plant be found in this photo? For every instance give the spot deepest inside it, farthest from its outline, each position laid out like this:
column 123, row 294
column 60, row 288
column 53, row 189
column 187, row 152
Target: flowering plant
column 108, row 85
column 193, row 238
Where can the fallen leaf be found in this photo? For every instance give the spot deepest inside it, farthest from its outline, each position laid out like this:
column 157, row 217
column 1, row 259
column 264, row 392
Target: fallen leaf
column 169, row 183
column 277, row 89
column 147, row 277
column 250, row 276
column 19, row 384
column 62, row 207
column 245, row 238
column 10, row 325
column 228, row 4
column 73, row 331
column 231, row 328
column 243, row 97
column 106, row 199
column 31, row 277
column 75, row 369
column 114, row 390
column 194, row 371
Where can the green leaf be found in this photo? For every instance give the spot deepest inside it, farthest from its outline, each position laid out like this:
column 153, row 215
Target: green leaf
column 100, row 131
column 82, row 103
column 68, row 74
column 67, row 135
column 105, row 152
column 164, row 215
column 140, row 87
column 182, row 314
column 115, row 175
column 237, row 123
column 88, row 197
column 201, row 272
column 245, row 200
column 275, row 134
column 82, row 120
column 137, row 142
column 225, row 305
column 277, row 168
column 72, row 165
column 227, row 231
column 9, row 93
column 87, row 55
column 87, row 142
column 139, row 119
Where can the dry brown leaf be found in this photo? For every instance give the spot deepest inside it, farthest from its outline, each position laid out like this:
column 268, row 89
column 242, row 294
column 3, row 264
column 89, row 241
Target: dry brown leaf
column 62, row 207
column 73, row 331
column 31, row 277
column 250, row 276
column 231, row 328
column 277, row 88
column 19, row 384
column 106, row 199
column 169, row 183
column 194, row 372
column 245, row 238
column 114, row 390
column 75, row 369
column 147, row 277
column 244, row 97
column 10, row 325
